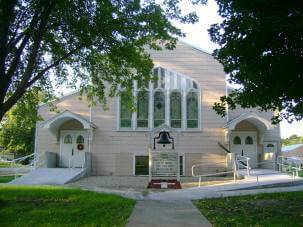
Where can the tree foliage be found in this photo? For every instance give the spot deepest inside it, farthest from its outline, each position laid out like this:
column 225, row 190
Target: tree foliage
column 49, row 43
column 261, row 48
column 17, row 130
column 293, row 139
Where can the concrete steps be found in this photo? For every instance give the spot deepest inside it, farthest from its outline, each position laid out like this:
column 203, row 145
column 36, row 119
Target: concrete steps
column 50, row 176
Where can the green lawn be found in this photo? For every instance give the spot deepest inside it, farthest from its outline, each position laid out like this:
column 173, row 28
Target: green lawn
column 275, row 209
column 6, row 179
column 57, row 206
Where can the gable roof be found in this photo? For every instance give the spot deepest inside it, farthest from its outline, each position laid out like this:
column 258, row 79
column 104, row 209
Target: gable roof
column 56, row 121
column 291, row 147
column 260, row 122
column 195, row 47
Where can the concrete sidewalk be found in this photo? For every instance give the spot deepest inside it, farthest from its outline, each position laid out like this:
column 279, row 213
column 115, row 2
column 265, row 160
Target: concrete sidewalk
column 166, row 214
column 220, row 189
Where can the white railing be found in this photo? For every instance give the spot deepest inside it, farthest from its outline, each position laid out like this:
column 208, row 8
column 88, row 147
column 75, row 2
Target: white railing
column 289, row 165
column 211, row 174
column 240, row 160
column 19, row 169
column 237, row 162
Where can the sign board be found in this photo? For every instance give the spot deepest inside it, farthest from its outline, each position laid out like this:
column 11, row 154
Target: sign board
column 164, row 163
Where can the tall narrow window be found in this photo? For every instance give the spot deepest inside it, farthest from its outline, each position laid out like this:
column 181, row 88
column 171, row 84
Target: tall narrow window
column 142, row 109
column 175, row 110
column 125, row 111
column 159, row 108
column 192, row 110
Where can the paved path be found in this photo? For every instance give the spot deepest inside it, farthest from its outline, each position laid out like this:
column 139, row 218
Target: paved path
column 49, row 176
column 166, row 214
column 220, row 189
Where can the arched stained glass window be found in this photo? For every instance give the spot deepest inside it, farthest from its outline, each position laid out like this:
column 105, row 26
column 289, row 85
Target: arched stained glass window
column 249, row 140
column 175, row 110
column 237, row 140
column 159, row 108
column 167, row 90
column 142, row 109
column 192, row 110
column 68, row 139
column 125, row 111
column 80, row 139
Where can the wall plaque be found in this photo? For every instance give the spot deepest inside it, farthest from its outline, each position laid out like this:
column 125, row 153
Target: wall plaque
column 164, row 163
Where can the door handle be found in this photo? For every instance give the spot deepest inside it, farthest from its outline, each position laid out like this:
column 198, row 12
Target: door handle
column 73, row 152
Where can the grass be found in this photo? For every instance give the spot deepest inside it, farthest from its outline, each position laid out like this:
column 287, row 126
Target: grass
column 274, row 209
column 6, row 179
column 301, row 173
column 8, row 165
column 57, row 206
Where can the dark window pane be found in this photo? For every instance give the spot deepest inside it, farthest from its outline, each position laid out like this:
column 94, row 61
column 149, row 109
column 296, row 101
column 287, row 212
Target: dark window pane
column 141, row 165
column 80, row 139
column 237, row 140
column 249, row 140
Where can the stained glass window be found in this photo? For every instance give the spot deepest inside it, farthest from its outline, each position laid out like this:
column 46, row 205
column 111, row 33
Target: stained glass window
column 175, row 110
column 159, row 108
column 125, row 111
column 142, row 109
column 192, row 110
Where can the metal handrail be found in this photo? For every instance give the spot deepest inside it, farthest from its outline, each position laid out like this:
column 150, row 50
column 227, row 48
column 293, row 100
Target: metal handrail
column 211, row 174
column 283, row 162
column 239, row 159
column 18, row 159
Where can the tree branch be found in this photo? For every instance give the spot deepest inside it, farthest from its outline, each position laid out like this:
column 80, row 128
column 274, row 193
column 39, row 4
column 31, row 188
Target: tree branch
column 54, row 64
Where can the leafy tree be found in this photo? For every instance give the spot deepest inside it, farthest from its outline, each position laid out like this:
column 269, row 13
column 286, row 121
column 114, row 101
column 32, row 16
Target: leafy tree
column 17, row 130
column 293, row 139
column 261, row 48
column 98, row 41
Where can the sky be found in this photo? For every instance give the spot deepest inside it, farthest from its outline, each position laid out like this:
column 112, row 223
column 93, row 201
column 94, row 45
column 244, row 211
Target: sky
column 197, row 35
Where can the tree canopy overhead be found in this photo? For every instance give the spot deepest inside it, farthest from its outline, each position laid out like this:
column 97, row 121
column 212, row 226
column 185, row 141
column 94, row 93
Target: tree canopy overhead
column 261, row 48
column 97, row 40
